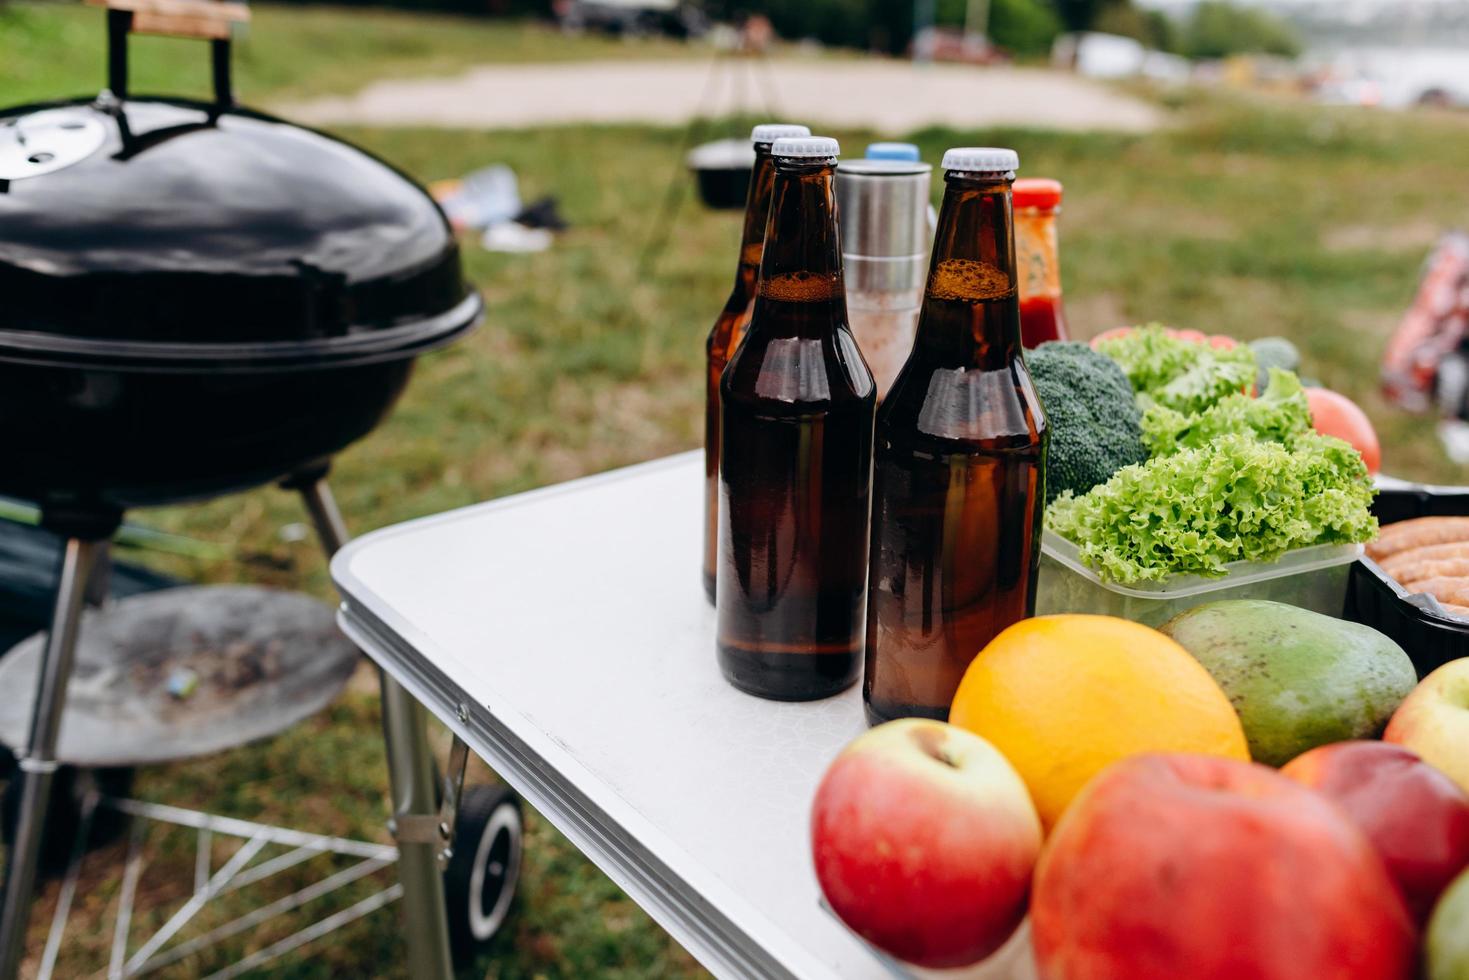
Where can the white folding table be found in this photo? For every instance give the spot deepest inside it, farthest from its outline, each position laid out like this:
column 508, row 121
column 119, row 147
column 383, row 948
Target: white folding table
column 564, row 636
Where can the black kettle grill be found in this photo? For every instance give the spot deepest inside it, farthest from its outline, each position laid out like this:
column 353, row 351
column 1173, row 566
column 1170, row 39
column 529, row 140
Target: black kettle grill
column 198, row 298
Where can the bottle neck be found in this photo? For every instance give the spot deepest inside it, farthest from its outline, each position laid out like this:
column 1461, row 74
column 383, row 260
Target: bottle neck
column 752, row 238
column 1036, row 253
column 971, row 310
column 757, row 207
column 801, row 267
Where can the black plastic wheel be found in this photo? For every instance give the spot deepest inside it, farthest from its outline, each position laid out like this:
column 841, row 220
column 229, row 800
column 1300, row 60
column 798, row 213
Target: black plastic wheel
column 63, row 816
column 479, row 884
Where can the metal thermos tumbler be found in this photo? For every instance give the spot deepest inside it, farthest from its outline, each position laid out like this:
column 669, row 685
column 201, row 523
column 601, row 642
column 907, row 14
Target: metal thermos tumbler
column 883, row 207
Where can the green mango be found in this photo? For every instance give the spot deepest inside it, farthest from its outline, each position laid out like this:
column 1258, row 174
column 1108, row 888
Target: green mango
column 1297, row 678
column 1448, row 933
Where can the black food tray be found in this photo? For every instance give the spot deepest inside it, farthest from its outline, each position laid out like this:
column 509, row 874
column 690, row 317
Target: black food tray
column 1430, row 636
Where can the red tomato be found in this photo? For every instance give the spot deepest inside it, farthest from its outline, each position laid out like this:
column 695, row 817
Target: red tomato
column 1337, row 415
column 1109, row 335
column 1218, row 341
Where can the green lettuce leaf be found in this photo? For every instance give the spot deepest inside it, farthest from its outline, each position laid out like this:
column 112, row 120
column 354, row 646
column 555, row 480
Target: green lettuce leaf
column 1281, row 415
column 1237, row 498
column 1182, row 375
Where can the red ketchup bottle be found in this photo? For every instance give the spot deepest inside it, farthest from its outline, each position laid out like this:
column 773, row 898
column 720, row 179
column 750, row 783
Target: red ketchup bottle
column 1037, row 202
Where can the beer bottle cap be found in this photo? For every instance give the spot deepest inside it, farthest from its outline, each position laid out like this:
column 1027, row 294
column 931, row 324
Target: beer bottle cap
column 981, row 159
column 770, row 132
column 805, row 147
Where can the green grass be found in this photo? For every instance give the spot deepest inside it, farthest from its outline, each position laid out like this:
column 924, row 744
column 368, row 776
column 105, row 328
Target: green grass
column 51, row 50
column 1244, row 219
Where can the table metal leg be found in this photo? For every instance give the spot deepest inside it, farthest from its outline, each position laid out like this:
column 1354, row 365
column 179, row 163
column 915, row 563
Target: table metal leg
column 411, row 776
column 37, row 761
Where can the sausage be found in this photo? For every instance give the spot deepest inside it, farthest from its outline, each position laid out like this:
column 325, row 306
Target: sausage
column 1417, row 571
column 1394, row 564
column 1460, row 612
column 1445, row 590
column 1421, row 531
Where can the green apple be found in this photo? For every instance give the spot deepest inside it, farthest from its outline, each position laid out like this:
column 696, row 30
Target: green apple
column 1448, row 933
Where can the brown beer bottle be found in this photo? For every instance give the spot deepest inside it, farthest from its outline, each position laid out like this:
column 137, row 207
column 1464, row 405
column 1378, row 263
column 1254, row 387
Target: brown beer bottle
column 729, row 329
column 958, row 460
column 795, row 466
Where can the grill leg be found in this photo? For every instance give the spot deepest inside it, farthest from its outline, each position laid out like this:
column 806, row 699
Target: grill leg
column 37, row 763
column 411, row 776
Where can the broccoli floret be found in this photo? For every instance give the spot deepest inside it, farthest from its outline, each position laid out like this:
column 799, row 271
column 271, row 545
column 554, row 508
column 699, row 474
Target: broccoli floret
column 1093, row 416
column 1273, row 352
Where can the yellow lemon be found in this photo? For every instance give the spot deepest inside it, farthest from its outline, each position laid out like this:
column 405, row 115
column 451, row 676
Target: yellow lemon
column 1063, row 697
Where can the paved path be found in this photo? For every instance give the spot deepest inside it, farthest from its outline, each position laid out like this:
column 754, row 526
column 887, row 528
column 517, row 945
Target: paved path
column 887, row 96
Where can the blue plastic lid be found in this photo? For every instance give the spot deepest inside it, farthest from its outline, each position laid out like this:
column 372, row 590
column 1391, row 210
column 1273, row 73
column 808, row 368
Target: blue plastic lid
column 905, row 152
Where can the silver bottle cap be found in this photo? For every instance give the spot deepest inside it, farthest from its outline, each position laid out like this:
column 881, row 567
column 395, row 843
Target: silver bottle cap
column 806, row 147
column 981, row 160
column 770, row 132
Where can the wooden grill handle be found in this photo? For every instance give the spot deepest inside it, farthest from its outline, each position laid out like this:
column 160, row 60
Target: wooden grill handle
column 211, row 20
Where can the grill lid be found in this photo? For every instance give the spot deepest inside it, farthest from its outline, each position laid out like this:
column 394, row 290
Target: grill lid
column 161, row 232
column 40, row 142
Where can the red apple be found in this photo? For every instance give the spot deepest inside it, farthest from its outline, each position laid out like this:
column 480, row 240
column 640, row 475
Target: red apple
column 1433, row 721
column 1416, row 817
column 924, row 840
column 1185, row 866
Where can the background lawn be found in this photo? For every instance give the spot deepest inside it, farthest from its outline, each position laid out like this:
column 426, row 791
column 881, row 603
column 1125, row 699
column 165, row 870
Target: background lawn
column 1243, row 218
column 52, row 50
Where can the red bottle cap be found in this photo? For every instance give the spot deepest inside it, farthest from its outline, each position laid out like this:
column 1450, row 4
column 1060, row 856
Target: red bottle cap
column 1037, row 192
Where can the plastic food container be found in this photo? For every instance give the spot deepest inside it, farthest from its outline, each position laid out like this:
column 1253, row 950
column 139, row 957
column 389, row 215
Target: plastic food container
column 1313, row 578
column 1416, row 623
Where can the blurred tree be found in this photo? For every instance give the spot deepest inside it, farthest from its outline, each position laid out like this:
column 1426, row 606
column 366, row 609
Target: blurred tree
column 1151, row 27
column 1216, row 29
column 1080, row 15
column 1163, row 32
column 474, row 8
column 845, row 23
column 1123, row 19
column 890, row 25
column 1022, row 27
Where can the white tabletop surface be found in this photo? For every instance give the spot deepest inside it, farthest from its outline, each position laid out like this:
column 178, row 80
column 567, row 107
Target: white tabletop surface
column 572, row 623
